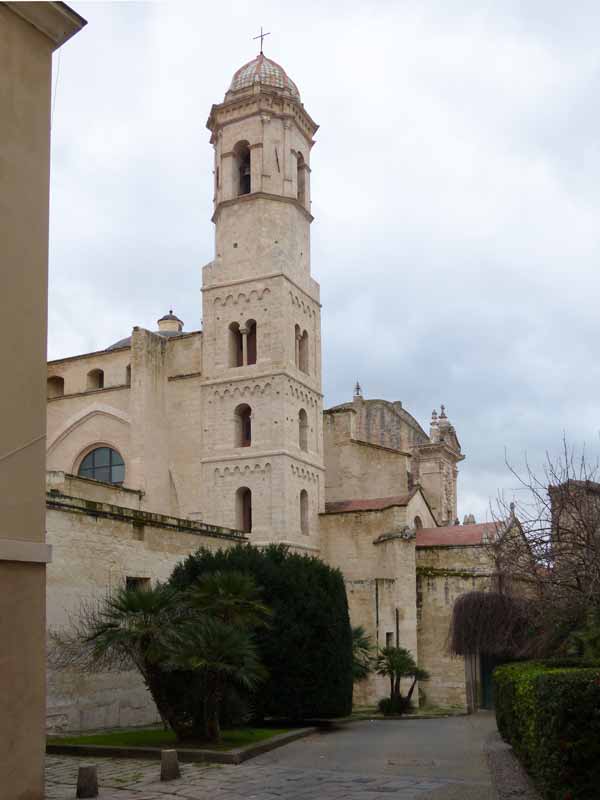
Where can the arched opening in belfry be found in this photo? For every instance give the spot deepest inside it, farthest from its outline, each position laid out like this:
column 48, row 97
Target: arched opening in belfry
column 301, row 178
column 128, row 375
column 418, row 523
column 243, row 503
column 95, row 379
column 251, row 341
column 303, row 429
column 304, row 511
column 303, row 352
column 243, row 171
column 297, row 337
column 236, row 345
column 243, row 426
column 56, row 386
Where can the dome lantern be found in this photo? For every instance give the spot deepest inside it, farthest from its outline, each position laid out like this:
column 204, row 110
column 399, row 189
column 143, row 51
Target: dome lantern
column 262, row 71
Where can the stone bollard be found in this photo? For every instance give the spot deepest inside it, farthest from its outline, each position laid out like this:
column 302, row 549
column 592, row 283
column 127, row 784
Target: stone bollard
column 169, row 765
column 87, row 782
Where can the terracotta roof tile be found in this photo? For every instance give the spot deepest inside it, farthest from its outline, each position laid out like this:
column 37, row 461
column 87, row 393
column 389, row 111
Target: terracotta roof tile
column 376, row 504
column 456, row 535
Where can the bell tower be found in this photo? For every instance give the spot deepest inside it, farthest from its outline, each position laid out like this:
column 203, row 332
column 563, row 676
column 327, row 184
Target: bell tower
column 262, row 402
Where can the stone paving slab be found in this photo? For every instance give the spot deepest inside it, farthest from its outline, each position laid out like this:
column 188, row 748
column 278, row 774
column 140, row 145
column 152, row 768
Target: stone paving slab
column 139, row 780
column 408, row 760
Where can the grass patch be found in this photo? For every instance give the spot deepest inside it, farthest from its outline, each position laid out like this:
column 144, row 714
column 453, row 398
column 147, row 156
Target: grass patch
column 157, row 737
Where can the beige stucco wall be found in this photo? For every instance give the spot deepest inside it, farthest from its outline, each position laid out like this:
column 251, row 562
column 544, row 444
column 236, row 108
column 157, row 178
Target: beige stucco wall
column 97, row 544
column 443, row 574
column 25, row 81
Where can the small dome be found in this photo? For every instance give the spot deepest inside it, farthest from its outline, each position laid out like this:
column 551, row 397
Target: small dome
column 263, row 70
column 169, row 325
column 170, row 316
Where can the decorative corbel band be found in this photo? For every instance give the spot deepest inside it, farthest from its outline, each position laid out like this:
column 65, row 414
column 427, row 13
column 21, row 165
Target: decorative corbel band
column 24, row 550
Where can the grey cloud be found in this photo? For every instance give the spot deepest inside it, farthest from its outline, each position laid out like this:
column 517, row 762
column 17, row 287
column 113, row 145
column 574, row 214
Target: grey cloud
column 455, row 187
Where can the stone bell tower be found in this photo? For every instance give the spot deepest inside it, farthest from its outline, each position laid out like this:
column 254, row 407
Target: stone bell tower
column 262, row 401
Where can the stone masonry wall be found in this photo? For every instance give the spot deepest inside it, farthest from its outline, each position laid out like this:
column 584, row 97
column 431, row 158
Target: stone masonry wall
column 96, row 546
column 443, row 574
column 379, row 571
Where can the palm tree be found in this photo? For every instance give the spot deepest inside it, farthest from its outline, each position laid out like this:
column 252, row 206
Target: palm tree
column 362, row 654
column 164, row 633
column 231, row 597
column 132, row 627
column 397, row 663
column 224, row 655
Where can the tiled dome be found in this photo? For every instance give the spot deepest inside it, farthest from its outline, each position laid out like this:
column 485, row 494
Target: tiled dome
column 262, row 70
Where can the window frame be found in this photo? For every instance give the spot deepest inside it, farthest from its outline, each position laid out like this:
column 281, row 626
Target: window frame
column 90, row 472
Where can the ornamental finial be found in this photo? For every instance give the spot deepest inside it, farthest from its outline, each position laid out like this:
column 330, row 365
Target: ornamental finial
column 261, row 36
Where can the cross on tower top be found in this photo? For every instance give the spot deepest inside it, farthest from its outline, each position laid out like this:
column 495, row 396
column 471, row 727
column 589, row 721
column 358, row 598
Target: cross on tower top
column 261, row 36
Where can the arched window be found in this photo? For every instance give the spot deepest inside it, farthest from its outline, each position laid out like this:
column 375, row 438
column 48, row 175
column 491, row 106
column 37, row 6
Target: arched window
column 297, row 337
column 418, row 524
column 251, row 341
column 242, row 171
column 303, row 352
column 95, row 379
column 56, row 386
column 303, row 430
column 243, row 503
column 103, row 464
column 243, row 426
column 304, row 511
column 236, row 347
column 128, row 375
column 301, row 179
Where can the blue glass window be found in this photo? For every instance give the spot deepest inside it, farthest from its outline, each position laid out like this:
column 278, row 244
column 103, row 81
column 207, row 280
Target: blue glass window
column 103, row 464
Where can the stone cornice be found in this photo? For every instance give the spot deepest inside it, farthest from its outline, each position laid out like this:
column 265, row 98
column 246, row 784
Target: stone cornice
column 88, row 392
column 25, row 550
column 261, row 376
column 441, row 448
column 78, row 505
column 248, row 198
column 214, row 124
column 246, row 456
column 381, row 447
column 296, row 545
column 57, row 21
column 93, row 354
column 266, row 277
column 184, row 376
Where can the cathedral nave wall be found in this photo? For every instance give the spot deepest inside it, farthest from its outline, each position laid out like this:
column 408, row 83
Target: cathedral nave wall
column 74, row 371
column 77, row 423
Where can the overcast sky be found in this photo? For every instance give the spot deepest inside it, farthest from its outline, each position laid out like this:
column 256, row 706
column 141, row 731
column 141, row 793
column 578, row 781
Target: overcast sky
column 455, row 187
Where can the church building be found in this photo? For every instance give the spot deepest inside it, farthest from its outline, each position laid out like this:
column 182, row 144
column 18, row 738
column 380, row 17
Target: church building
column 171, row 440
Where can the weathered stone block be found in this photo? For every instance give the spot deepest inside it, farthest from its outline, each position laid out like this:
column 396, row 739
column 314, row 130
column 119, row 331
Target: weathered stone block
column 169, row 765
column 87, row 782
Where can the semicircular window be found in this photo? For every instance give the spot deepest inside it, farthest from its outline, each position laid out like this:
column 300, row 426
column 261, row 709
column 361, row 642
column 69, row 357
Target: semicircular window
column 103, row 464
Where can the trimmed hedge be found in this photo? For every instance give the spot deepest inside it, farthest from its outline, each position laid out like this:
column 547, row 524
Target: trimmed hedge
column 307, row 647
column 550, row 714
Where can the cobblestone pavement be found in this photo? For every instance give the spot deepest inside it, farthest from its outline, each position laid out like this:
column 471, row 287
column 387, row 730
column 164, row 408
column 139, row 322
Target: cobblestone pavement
column 408, row 760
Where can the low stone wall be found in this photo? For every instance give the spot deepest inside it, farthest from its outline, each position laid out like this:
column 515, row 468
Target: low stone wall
column 96, row 547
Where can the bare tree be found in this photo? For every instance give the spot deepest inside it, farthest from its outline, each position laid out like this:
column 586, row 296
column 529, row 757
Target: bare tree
column 548, row 550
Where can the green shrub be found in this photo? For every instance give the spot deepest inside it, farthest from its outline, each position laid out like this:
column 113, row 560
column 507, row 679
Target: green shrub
column 551, row 717
column 307, row 646
column 395, row 706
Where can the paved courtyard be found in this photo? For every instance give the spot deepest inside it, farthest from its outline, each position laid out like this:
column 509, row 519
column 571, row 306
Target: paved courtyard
column 438, row 759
